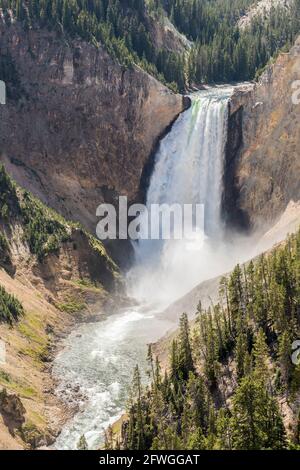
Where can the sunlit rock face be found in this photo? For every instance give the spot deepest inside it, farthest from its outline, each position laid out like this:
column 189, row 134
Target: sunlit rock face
column 263, row 156
column 78, row 128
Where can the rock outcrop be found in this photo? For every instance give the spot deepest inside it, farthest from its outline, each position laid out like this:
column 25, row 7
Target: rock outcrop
column 78, row 128
column 59, row 274
column 165, row 35
column 12, row 408
column 57, row 255
column 263, row 157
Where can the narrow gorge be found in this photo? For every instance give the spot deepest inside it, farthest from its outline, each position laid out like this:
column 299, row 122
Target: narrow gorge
column 177, row 106
column 98, row 359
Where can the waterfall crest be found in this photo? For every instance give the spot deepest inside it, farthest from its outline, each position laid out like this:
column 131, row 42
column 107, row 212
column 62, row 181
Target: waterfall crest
column 188, row 169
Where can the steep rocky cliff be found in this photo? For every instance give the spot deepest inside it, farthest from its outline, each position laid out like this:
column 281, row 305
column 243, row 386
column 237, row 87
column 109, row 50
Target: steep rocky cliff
column 165, row 35
column 78, row 128
column 60, row 274
column 263, row 160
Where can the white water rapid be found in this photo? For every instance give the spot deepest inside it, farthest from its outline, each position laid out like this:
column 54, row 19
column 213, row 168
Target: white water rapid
column 98, row 359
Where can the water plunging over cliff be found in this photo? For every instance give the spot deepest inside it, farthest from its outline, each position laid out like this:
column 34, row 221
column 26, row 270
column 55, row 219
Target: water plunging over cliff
column 98, row 359
column 188, row 169
column 190, row 160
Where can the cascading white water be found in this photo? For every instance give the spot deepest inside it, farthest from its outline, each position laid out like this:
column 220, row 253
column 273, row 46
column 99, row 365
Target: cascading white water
column 188, row 170
column 190, row 161
column 98, row 359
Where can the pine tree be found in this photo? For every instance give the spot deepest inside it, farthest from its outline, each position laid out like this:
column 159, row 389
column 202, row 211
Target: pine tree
column 185, row 359
column 224, row 430
column 261, row 354
column 235, row 289
column 284, row 356
column 195, row 409
column 240, row 353
column 82, row 443
column 246, row 417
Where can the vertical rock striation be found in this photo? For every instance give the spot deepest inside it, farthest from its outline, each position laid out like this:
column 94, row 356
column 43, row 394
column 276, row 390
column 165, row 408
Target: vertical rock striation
column 263, row 150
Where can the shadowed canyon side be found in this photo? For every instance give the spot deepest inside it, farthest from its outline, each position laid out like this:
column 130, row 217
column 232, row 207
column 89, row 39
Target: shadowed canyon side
column 263, row 164
column 59, row 136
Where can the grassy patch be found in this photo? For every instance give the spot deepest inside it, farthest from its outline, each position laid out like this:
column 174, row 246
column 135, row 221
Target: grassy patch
column 88, row 285
column 31, row 434
column 5, row 378
column 21, row 388
column 25, row 391
column 38, row 419
column 32, row 329
column 71, row 305
column 31, row 334
column 39, row 354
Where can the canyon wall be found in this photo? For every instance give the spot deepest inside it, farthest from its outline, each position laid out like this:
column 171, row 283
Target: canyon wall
column 78, row 128
column 61, row 275
column 263, row 157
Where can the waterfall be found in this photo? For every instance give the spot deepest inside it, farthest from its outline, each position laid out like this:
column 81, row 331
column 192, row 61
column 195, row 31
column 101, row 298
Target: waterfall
column 99, row 357
column 188, row 169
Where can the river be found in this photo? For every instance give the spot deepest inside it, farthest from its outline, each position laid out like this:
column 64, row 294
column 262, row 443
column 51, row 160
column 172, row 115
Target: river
column 97, row 359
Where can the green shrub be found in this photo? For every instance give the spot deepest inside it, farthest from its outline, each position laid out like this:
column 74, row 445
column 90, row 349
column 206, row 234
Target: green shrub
column 10, row 307
column 71, row 305
column 4, row 250
column 9, row 204
column 44, row 229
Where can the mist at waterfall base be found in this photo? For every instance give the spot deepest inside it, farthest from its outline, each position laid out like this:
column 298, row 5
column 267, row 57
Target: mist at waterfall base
column 188, row 170
column 95, row 367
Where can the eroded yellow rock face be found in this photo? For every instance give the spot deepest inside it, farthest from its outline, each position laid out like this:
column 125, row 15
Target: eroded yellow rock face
column 78, row 128
column 264, row 149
